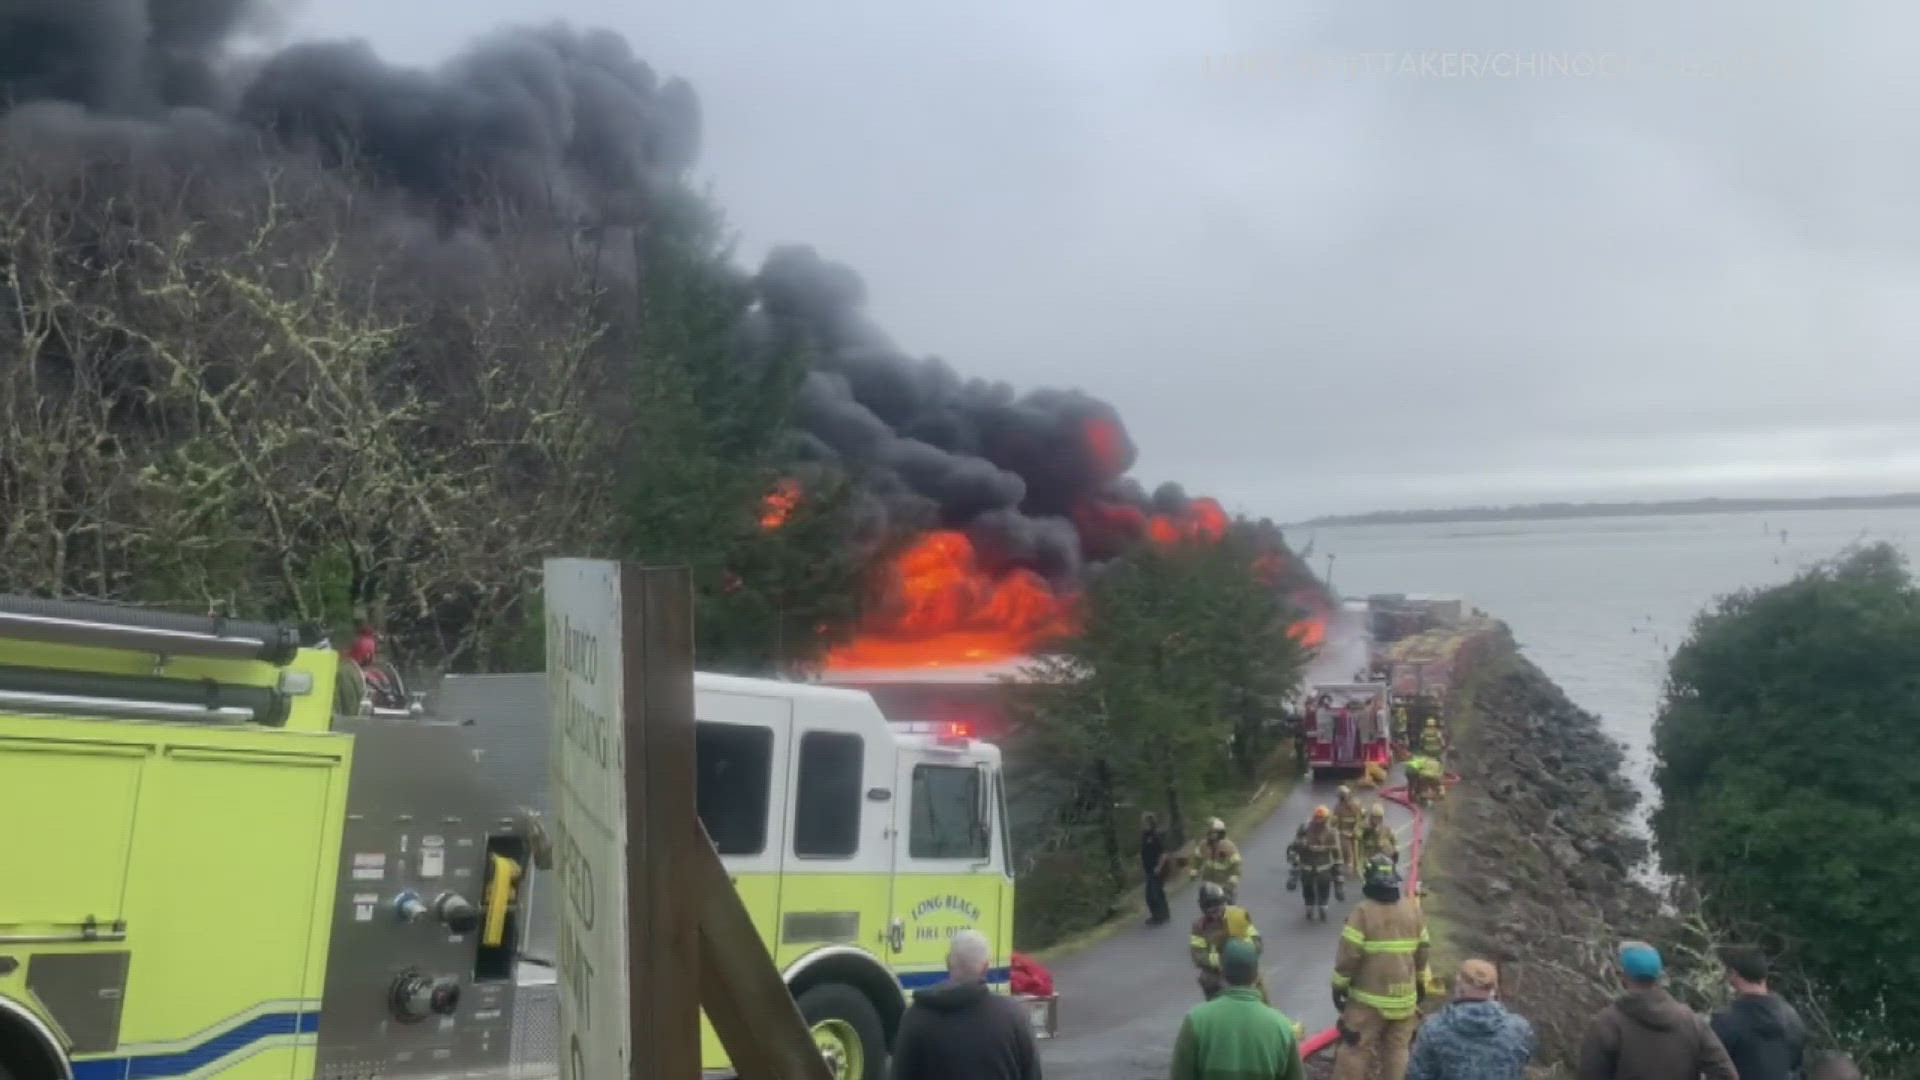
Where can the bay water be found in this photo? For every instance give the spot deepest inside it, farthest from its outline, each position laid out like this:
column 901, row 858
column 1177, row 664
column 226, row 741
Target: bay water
column 1600, row 603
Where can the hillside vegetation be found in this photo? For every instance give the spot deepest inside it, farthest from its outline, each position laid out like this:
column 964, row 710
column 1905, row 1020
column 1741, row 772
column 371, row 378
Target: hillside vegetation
column 1783, row 745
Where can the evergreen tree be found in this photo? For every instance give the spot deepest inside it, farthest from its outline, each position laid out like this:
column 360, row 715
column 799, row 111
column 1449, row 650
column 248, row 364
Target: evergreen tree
column 717, row 481
column 1176, row 673
column 1788, row 716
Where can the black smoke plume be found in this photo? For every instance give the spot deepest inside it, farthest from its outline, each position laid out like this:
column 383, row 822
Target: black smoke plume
column 573, row 123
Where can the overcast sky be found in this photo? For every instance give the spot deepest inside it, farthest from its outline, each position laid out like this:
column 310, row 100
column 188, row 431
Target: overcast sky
column 1335, row 256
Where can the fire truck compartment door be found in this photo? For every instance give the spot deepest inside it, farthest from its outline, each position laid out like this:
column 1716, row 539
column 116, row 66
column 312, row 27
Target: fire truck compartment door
column 67, row 809
column 229, row 887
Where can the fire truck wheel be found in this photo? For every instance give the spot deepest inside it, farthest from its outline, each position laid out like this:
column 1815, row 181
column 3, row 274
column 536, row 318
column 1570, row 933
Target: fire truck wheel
column 847, row 1029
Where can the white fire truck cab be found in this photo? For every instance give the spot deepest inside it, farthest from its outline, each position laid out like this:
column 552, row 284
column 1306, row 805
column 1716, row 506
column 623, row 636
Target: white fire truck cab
column 859, row 846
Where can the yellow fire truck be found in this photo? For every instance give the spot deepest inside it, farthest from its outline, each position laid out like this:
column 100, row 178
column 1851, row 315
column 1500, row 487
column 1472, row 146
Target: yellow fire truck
column 213, row 872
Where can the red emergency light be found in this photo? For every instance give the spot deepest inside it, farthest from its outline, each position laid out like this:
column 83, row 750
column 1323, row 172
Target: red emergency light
column 954, row 733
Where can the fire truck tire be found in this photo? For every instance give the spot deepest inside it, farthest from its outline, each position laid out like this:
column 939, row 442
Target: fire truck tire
column 840, row 1010
column 19, row 1063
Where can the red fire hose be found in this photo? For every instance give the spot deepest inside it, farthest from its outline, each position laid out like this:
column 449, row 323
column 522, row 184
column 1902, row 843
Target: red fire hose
column 1318, row 1042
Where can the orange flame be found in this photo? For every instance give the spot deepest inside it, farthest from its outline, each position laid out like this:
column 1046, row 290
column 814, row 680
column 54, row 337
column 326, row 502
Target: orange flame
column 943, row 608
column 1202, row 522
column 778, row 505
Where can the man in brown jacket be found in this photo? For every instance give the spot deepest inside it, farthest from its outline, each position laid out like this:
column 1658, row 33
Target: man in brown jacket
column 1647, row 1035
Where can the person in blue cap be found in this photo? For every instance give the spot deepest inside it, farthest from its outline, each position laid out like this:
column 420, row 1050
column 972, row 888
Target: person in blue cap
column 1648, row 1035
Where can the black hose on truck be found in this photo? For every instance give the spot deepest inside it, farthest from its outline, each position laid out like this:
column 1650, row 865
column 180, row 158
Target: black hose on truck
column 115, row 626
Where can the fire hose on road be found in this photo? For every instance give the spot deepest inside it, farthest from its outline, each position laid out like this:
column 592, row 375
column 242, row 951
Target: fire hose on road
column 1322, row 1040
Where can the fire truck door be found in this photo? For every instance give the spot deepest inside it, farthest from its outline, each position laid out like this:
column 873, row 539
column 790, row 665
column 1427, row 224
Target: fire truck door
column 945, row 879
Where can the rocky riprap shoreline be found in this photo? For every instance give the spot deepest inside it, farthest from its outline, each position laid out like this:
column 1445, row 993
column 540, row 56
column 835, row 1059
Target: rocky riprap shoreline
column 1532, row 856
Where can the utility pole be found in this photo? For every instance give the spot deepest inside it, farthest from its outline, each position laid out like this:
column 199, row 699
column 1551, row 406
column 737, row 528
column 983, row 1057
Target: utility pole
column 1330, row 573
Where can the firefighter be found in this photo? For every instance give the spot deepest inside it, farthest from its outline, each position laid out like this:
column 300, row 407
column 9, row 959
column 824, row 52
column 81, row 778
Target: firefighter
column 1376, row 836
column 1400, row 724
column 1417, row 779
column 1380, row 976
column 382, row 690
column 1219, row 922
column 1301, row 722
column 1314, row 863
column 1433, row 780
column 1346, row 823
column 1216, row 860
column 1433, row 739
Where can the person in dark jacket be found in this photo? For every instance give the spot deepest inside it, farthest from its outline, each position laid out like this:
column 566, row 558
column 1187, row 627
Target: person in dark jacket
column 1763, row 1034
column 1474, row 1037
column 1647, row 1035
column 961, row 1030
column 1153, row 866
column 1831, row 1065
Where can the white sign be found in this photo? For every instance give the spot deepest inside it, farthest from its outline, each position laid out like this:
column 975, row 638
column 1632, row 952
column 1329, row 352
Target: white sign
column 590, row 813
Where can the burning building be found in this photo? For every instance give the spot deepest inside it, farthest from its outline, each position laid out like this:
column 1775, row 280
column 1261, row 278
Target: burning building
column 1008, row 500
column 999, row 502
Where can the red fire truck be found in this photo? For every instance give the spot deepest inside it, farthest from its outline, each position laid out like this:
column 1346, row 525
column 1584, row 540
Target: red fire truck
column 1348, row 727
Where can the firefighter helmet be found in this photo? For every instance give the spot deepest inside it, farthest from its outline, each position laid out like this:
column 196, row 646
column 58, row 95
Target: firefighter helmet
column 1321, row 813
column 1216, row 825
column 1378, row 811
column 1346, row 792
column 1381, row 873
column 1212, row 896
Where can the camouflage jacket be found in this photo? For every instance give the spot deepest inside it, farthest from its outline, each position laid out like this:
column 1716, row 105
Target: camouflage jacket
column 1472, row 1040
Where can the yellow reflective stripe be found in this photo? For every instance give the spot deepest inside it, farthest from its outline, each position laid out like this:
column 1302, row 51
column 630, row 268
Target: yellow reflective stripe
column 1353, row 934
column 1392, row 947
column 1197, row 942
column 1424, row 939
column 1385, row 1002
column 1341, row 982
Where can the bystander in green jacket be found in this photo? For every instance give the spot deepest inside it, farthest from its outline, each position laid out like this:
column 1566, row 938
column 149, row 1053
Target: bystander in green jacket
column 1236, row 1036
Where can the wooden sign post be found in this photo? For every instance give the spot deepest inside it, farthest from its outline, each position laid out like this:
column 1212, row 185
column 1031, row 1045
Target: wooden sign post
column 651, row 929
column 620, row 676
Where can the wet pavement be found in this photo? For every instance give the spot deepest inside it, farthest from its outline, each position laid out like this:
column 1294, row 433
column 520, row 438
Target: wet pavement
column 1122, row 999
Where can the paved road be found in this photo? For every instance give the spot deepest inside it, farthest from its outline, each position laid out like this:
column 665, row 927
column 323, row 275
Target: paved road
column 1122, row 1000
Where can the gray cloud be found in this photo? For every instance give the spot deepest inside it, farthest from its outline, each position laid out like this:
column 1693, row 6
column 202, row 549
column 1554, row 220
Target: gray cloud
column 1313, row 281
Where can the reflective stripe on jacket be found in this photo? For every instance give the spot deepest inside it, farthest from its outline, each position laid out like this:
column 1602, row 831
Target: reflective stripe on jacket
column 1378, row 840
column 1383, row 957
column 1316, row 850
column 1211, row 935
column 1217, row 863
